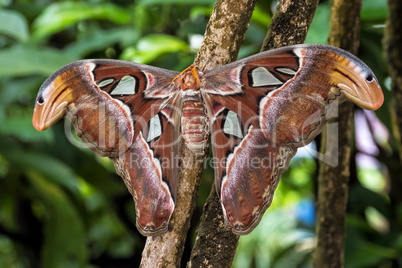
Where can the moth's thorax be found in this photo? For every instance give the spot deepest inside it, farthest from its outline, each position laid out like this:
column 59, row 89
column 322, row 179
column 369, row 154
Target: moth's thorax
column 190, row 82
column 188, row 79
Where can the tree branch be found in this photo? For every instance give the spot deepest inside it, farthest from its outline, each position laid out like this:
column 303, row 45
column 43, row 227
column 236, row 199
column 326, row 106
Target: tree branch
column 290, row 23
column 225, row 33
column 393, row 48
column 333, row 181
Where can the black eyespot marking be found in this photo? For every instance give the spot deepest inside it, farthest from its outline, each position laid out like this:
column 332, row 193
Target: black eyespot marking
column 41, row 100
column 370, row 78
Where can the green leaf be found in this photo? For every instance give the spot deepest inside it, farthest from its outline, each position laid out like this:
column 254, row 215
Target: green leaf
column 27, row 60
column 54, row 170
column 261, row 17
column 319, row 28
column 288, row 244
column 17, row 91
column 65, row 238
column 367, row 254
column 59, row 16
column 153, row 46
column 22, row 128
column 374, row 10
column 9, row 254
column 13, row 24
column 182, row 2
column 102, row 39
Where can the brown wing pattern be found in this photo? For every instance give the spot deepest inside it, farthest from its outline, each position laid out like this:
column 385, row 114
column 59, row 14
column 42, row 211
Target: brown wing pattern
column 120, row 110
column 149, row 170
column 282, row 98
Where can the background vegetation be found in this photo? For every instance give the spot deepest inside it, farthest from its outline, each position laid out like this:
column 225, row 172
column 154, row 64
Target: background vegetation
column 62, row 206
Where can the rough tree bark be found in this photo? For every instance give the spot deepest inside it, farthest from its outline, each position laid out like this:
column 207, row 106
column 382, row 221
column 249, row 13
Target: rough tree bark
column 215, row 245
column 225, row 33
column 290, row 23
column 393, row 49
column 333, row 181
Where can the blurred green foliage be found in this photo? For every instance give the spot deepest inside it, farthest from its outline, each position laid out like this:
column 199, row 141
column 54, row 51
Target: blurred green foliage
column 62, row 206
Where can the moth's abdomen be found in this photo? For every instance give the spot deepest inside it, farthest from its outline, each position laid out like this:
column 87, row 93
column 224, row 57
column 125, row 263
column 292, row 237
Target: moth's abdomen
column 194, row 125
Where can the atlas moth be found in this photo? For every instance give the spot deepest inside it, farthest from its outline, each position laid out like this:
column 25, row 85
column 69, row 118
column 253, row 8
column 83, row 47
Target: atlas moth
column 256, row 112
